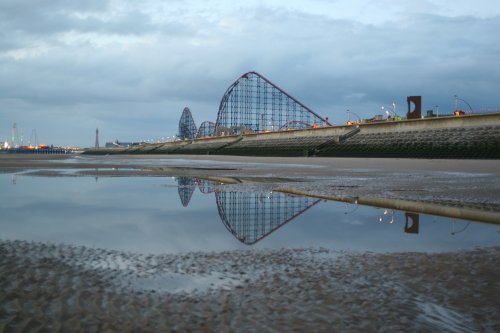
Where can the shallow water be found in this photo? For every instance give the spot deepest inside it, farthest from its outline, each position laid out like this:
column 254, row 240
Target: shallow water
column 174, row 215
column 111, row 254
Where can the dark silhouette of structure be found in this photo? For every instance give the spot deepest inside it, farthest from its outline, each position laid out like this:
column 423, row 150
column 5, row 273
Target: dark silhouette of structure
column 97, row 137
column 412, row 228
column 417, row 111
column 187, row 127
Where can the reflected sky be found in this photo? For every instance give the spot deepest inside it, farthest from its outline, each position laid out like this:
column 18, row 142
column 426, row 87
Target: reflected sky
column 156, row 215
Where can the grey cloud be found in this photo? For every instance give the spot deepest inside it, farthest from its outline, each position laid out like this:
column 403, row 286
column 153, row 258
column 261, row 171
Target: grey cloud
column 330, row 65
column 46, row 18
column 396, row 59
column 18, row 8
column 44, row 15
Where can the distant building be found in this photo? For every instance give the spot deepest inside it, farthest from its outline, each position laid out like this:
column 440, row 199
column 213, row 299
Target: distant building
column 97, row 138
column 118, row 144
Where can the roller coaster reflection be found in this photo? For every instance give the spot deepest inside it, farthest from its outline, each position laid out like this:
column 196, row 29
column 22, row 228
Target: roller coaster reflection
column 251, row 216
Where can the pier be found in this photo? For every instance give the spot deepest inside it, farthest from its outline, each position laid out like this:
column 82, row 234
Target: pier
column 40, row 151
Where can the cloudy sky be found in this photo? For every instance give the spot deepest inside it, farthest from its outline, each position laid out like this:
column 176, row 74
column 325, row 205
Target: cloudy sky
column 130, row 67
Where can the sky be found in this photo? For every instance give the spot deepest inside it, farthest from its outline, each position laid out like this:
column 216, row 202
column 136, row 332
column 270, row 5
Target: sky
column 130, row 67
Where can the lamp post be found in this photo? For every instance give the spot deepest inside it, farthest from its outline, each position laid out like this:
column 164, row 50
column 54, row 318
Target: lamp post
column 392, row 108
column 349, row 116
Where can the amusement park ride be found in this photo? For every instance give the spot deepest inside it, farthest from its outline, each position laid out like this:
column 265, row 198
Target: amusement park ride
column 17, row 140
column 254, row 104
column 16, row 144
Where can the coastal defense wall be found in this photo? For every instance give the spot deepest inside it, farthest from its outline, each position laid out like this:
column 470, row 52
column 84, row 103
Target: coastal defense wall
column 472, row 136
column 285, row 143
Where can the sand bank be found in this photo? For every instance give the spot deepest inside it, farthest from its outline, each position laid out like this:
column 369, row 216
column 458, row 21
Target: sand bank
column 55, row 287
column 470, row 184
column 48, row 287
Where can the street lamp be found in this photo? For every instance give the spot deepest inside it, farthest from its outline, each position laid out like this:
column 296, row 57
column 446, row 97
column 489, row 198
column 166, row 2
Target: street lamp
column 349, row 116
column 392, row 108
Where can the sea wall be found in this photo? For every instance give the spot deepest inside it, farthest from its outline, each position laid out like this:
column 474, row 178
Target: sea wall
column 470, row 136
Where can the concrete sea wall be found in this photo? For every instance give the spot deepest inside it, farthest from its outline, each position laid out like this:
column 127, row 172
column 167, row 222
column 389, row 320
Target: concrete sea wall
column 470, row 136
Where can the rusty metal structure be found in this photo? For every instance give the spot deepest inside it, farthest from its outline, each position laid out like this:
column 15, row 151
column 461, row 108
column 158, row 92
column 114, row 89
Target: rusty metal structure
column 187, row 127
column 416, row 113
column 256, row 104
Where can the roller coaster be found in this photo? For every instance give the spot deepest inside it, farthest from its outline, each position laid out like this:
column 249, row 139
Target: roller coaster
column 252, row 104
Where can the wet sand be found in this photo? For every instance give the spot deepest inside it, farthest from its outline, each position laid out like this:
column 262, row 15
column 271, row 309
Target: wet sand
column 63, row 288
column 57, row 287
column 457, row 183
column 333, row 165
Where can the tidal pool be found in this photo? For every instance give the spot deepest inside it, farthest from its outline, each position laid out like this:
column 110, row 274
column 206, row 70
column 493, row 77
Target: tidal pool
column 183, row 254
column 174, row 215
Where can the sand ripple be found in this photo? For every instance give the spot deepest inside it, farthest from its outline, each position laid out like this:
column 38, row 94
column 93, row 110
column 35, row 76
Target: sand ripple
column 63, row 288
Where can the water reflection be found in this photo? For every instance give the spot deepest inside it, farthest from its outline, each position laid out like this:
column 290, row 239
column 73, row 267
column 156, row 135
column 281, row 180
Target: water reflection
column 251, row 216
column 411, row 223
column 455, row 230
column 389, row 217
column 130, row 213
column 185, row 189
column 205, row 186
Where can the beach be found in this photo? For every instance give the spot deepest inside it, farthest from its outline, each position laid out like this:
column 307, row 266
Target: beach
column 47, row 286
column 385, row 182
column 61, row 288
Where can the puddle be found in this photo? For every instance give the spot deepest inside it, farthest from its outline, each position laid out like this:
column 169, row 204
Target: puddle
column 182, row 214
column 183, row 283
column 175, row 162
column 147, row 253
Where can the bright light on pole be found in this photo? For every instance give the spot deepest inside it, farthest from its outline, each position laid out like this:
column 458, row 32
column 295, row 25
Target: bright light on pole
column 392, row 108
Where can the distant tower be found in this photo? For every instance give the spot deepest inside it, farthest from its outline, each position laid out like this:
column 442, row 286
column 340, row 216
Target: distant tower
column 14, row 135
column 97, row 138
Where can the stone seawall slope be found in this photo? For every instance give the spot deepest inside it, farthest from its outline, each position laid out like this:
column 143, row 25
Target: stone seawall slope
column 470, row 136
